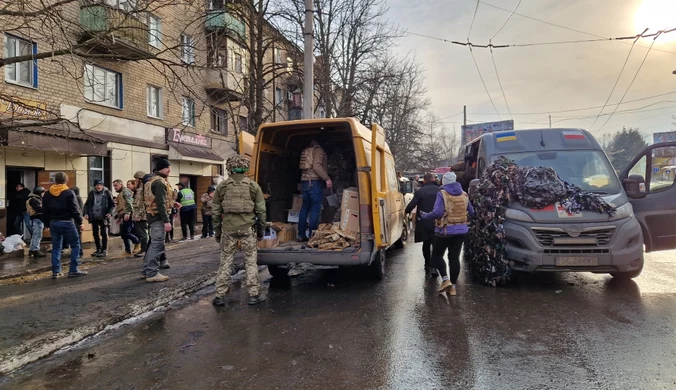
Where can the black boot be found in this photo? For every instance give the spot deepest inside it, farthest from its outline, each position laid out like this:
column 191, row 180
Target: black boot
column 218, row 301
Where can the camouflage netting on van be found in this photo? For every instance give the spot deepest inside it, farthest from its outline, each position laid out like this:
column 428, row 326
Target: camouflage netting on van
column 502, row 183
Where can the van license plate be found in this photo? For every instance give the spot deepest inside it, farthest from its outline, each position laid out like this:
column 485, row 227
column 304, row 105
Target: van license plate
column 576, row 261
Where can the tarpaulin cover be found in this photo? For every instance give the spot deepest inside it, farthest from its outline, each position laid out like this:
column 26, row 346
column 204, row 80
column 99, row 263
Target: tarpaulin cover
column 535, row 188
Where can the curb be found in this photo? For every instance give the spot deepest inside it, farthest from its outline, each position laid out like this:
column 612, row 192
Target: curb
column 48, row 343
column 65, row 264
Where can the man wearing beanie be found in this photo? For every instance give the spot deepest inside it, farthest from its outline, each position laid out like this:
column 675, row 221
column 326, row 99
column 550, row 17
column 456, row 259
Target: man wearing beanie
column 98, row 208
column 62, row 216
column 158, row 199
column 450, row 212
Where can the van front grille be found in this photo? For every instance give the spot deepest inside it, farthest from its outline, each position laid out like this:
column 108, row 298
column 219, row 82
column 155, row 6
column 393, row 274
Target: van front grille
column 588, row 237
column 576, row 251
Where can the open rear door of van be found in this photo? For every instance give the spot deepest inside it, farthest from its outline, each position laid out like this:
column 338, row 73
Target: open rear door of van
column 650, row 183
column 379, row 187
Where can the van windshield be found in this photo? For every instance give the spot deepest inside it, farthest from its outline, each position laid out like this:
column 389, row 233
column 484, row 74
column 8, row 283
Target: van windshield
column 587, row 169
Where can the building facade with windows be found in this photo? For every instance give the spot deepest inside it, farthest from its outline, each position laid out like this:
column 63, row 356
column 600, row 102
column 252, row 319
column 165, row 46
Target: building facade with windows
column 120, row 83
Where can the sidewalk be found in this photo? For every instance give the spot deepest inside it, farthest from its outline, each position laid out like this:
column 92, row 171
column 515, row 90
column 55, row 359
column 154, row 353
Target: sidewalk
column 42, row 316
column 14, row 266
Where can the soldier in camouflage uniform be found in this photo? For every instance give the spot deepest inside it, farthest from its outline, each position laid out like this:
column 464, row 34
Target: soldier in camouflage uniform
column 139, row 214
column 239, row 217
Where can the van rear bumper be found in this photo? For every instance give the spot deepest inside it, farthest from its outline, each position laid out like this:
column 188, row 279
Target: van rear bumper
column 624, row 254
column 276, row 257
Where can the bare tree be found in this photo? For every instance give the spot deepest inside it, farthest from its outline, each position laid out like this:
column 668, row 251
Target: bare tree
column 439, row 144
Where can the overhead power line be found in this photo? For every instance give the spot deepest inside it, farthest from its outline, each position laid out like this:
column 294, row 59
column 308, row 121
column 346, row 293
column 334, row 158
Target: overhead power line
column 476, row 9
column 557, row 25
column 483, row 82
column 506, row 20
column 619, row 76
column 632, row 81
column 495, row 66
column 491, row 45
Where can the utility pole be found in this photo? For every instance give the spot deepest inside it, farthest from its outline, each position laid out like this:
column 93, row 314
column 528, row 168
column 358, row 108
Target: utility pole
column 550, row 121
column 308, row 66
column 464, row 115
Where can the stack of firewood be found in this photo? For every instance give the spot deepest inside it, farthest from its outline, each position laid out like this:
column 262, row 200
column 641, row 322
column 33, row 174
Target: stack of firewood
column 329, row 237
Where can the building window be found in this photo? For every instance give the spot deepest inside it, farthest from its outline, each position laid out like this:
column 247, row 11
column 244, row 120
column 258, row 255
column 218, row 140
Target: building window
column 187, row 49
column 278, row 56
column 239, row 67
column 243, row 123
column 279, row 96
column 102, row 86
column 154, row 101
column 154, row 31
column 96, row 169
column 216, row 52
column 25, row 72
column 219, row 121
column 188, row 111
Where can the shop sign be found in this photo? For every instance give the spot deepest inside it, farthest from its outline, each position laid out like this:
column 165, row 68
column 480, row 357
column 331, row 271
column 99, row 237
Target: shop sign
column 180, row 137
column 22, row 109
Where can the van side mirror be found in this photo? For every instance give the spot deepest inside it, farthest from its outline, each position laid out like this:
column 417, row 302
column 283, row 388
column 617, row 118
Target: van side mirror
column 634, row 186
column 473, row 185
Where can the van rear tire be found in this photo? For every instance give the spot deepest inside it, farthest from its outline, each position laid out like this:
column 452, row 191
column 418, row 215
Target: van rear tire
column 376, row 269
column 278, row 272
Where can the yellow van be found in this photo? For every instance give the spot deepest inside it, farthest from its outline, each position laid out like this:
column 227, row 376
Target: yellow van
column 363, row 160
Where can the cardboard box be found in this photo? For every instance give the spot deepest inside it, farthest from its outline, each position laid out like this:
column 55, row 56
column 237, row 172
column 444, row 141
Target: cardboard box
column 293, row 216
column 269, row 239
column 349, row 220
column 350, row 199
column 286, row 233
column 297, row 202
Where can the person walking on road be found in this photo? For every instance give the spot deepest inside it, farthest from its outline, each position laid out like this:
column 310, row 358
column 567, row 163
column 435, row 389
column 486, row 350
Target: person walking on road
column 158, row 198
column 239, row 207
column 34, row 209
column 123, row 214
column 139, row 213
column 188, row 211
column 314, row 167
column 424, row 200
column 63, row 218
column 97, row 210
column 207, row 212
column 450, row 212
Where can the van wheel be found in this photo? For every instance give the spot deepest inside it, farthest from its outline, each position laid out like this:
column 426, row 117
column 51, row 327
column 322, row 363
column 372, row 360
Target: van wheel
column 278, row 272
column 401, row 244
column 377, row 267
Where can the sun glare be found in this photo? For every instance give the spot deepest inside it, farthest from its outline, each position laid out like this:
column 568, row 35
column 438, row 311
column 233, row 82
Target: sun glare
column 656, row 15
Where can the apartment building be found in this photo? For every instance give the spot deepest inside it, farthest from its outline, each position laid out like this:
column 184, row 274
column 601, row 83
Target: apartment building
column 137, row 82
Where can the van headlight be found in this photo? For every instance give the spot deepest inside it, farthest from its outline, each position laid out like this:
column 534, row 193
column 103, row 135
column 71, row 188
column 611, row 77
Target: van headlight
column 622, row 212
column 517, row 215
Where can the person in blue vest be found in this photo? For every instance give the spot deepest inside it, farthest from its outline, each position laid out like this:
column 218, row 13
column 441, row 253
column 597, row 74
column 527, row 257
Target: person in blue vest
column 188, row 210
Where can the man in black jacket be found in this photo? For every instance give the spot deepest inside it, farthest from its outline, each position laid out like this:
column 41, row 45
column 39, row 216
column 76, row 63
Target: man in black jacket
column 62, row 217
column 424, row 200
column 21, row 219
column 97, row 209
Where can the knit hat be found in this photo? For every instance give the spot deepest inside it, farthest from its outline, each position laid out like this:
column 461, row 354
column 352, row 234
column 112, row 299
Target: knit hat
column 448, row 178
column 211, row 189
column 161, row 164
column 139, row 175
column 97, row 182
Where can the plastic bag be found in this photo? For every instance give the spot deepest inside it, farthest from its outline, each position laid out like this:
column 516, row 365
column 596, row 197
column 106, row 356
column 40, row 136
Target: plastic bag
column 13, row 243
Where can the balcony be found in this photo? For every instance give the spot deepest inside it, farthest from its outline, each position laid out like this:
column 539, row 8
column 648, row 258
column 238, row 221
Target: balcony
column 113, row 31
column 223, row 84
column 223, row 19
column 295, row 113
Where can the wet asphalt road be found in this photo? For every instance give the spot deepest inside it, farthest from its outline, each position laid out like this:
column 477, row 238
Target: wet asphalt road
column 336, row 330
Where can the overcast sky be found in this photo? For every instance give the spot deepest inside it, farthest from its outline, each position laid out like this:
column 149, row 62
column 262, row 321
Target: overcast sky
column 544, row 79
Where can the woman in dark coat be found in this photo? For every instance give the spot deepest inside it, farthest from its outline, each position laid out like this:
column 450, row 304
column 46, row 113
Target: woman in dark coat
column 424, row 200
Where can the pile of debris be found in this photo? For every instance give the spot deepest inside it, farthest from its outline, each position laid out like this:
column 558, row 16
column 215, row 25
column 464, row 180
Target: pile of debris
column 329, row 237
column 505, row 182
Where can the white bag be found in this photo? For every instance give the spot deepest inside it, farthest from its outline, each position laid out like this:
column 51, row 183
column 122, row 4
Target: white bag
column 13, row 243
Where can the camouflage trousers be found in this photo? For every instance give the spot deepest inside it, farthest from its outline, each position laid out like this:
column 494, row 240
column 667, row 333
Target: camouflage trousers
column 229, row 244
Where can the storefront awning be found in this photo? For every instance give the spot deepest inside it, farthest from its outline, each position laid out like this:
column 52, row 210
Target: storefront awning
column 183, row 152
column 60, row 138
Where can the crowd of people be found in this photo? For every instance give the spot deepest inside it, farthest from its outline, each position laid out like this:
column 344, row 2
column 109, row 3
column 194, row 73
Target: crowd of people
column 143, row 208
